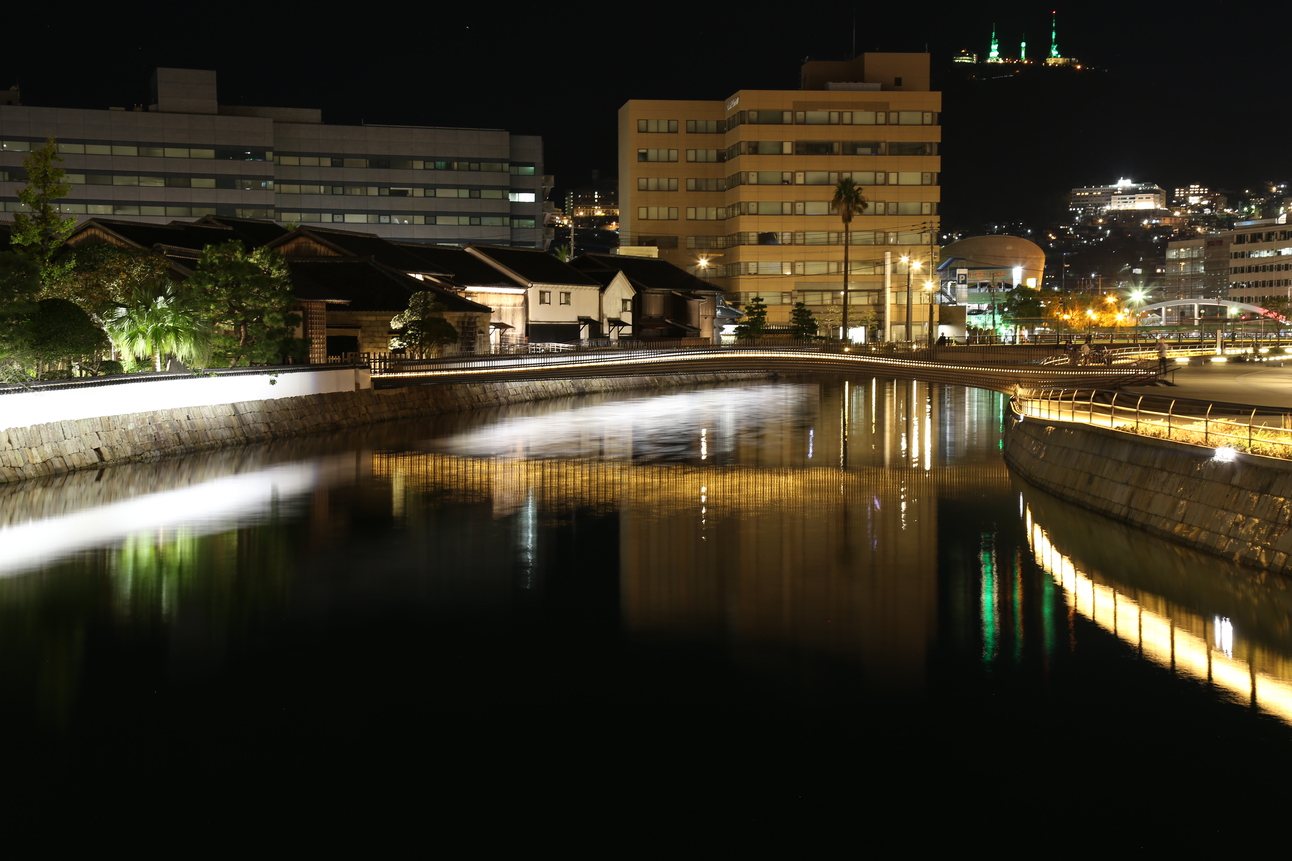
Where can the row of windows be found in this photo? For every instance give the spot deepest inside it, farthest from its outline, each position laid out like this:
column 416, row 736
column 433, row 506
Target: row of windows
column 409, row 191
column 1263, row 252
column 831, row 177
column 1267, row 267
column 858, row 237
column 296, row 217
column 811, row 297
column 834, row 118
column 1267, row 236
column 406, row 218
column 155, row 181
column 785, row 207
column 657, row 183
column 236, row 153
column 394, row 163
column 832, row 148
column 545, row 297
column 126, row 209
column 227, row 153
column 797, row 267
column 847, row 148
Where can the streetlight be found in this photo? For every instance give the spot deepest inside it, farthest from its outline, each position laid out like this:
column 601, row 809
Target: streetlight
column 911, row 266
column 928, row 286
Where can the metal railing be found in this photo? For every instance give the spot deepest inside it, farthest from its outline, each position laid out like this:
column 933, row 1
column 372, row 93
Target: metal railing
column 1257, row 430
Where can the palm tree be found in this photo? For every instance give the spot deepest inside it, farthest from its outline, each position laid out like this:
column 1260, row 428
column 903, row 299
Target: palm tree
column 156, row 321
column 847, row 201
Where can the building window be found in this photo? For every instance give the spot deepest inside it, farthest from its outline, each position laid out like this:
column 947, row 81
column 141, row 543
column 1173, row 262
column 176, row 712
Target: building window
column 565, row 298
column 625, row 305
column 657, row 126
column 545, row 297
column 657, row 155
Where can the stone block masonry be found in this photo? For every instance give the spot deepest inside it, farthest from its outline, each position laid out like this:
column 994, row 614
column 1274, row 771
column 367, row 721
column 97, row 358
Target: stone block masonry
column 72, row 444
column 1240, row 509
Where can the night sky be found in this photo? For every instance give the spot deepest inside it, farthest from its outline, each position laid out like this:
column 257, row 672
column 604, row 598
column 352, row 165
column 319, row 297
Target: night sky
column 1187, row 96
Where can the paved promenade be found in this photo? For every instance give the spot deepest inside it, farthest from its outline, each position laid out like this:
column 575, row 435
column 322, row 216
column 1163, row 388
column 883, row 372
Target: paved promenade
column 1254, row 384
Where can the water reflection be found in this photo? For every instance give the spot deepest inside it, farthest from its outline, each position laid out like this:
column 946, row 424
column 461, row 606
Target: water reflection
column 866, row 526
column 1199, row 616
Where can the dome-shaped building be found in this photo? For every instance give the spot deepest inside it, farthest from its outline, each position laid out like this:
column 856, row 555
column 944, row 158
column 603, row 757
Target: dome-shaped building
column 1007, row 260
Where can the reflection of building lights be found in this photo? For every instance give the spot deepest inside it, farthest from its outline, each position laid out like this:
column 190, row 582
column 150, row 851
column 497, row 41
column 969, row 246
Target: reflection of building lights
column 1162, row 639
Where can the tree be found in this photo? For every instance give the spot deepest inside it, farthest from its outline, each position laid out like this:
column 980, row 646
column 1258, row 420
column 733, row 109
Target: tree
column 803, row 322
column 246, row 298
column 100, row 276
column 847, row 201
column 42, row 230
column 156, row 320
column 421, row 330
column 61, row 333
column 562, row 253
column 1023, row 307
column 19, row 288
column 754, row 323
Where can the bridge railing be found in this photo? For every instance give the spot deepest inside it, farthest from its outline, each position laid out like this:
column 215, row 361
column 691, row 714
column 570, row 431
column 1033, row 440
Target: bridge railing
column 1256, row 430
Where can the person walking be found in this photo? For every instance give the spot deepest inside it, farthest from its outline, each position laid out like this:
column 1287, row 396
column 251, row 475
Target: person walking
column 1161, row 355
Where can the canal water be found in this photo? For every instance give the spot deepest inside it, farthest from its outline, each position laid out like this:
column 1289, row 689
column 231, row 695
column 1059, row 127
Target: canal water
column 811, row 597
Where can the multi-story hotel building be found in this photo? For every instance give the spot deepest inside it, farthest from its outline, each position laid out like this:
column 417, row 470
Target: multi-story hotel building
column 738, row 190
column 188, row 156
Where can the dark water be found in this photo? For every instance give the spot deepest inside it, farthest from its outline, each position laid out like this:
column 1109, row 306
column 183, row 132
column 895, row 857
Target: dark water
column 710, row 612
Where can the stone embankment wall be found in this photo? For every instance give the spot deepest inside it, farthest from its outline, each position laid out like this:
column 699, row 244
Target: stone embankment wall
column 1240, row 510
column 61, row 446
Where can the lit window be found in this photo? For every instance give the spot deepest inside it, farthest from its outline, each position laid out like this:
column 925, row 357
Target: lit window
column 545, row 297
column 565, row 298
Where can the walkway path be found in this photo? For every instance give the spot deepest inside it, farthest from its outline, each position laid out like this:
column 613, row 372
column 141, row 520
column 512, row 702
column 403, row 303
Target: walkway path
column 1256, row 385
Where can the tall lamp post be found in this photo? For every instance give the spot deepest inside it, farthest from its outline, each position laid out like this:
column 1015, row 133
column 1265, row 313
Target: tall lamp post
column 911, row 266
column 928, row 287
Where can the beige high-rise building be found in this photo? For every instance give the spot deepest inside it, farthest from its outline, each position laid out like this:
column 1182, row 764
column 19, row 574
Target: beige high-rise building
column 738, row 190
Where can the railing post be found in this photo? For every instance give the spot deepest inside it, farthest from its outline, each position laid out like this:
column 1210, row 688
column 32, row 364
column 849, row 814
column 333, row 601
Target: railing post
column 1112, row 411
column 1206, row 426
column 1137, row 403
column 1251, row 420
column 1169, row 420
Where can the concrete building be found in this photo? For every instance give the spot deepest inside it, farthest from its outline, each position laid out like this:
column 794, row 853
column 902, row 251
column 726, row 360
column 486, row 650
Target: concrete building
column 188, row 156
column 738, row 190
column 1260, row 260
column 1125, row 195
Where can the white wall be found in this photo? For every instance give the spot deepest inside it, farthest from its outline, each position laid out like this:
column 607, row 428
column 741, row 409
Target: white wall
column 83, row 402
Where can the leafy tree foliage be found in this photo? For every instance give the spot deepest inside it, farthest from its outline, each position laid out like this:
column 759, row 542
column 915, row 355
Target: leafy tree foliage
column 420, row 330
column 19, row 287
column 60, row 333
column 42, row 230
column 754, row 323
column 246, row 297
column 98, row 277
column 803, row 322
column 158, row 319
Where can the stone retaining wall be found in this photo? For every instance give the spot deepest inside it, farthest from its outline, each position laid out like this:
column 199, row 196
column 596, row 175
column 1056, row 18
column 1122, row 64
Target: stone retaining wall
column 1240, row 510
column 61, row 446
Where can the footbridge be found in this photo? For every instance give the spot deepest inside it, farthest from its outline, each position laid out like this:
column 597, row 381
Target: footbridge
column 999, row 369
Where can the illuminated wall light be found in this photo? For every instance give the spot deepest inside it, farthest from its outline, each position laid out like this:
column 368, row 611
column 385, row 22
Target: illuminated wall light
column 1225, row 454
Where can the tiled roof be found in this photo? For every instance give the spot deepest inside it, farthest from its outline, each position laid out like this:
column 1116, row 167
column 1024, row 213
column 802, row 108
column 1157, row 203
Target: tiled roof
column 463, row 267
column 644, row 272
column 536, row 267
column 368, row 245
column 366, row 285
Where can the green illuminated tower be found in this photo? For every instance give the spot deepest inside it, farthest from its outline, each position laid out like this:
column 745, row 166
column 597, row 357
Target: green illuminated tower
column 994, row 56
column 1054, row 35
